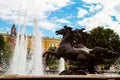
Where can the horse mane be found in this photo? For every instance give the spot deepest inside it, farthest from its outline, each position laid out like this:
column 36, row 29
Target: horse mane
column 80, row 36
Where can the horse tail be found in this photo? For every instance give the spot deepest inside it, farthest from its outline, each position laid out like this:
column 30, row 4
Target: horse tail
column 46, row 55
column 47, row 58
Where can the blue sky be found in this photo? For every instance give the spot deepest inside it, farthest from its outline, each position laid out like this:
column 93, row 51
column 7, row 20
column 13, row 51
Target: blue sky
column 54, row 14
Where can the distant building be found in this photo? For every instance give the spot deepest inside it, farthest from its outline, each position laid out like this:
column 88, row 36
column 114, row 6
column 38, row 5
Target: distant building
column 46, row 42
column 13, row 31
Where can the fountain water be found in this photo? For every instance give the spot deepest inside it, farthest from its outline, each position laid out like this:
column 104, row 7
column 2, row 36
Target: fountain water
column 19, row 64
column 61, row 65
column 37, row 51
column 19, row 56
column 114, row 69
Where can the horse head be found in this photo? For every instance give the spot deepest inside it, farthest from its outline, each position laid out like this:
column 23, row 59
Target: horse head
column 63, row 31
column 80, row 36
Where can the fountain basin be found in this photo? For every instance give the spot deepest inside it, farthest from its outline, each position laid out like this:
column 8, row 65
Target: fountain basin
column 89, row 76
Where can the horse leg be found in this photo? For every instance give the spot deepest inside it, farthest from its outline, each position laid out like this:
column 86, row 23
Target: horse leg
column 92, row 70
column 47, row 54
column 82, row 65
column 54, row 53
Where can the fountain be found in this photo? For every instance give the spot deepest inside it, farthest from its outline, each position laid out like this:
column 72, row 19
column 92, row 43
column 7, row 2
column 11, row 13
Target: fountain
column 37, row 51
column 67, row 49
column 19, row 64
column 18, row 61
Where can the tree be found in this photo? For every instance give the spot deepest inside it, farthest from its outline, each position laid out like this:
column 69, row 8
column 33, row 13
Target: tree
column 2, row 45
column 2, row 42
column 5, row 52
column 106, row 38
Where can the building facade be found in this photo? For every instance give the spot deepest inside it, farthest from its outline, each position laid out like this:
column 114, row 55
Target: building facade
column 46, row 41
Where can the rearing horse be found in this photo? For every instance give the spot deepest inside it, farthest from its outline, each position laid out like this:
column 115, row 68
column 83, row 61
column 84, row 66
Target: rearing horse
column 57, row 53
column 66, row 50
column 84, row 58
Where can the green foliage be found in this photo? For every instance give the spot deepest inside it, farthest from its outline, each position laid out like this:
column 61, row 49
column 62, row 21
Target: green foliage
column 52, row 48
column 73, row 64
column 106, row 38
column 2, row 43
column 7, row 53
column 52, row 60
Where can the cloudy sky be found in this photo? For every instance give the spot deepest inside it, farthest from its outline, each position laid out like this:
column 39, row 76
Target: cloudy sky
column 54, row 14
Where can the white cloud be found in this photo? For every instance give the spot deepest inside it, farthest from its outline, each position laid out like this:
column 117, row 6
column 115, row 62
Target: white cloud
column 10, row 9
column 97, row 7
column 109, row 5
column 62, row 21
column 92, row 1
column 48, row 25
column 100, row 19
column 81, row 12
column 117, row 8
column 103, row 18
column 93, row 8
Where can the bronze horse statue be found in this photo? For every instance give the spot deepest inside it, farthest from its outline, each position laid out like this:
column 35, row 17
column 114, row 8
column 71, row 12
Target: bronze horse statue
column 69, row 49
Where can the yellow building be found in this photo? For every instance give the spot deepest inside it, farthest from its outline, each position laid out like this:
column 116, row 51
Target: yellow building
column 50, row 42
column 46, row 42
